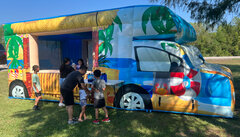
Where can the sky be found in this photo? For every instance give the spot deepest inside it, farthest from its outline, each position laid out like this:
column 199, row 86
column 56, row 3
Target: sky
column 21, row 10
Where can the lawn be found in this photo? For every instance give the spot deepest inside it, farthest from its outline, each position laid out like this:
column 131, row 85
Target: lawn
column 18, row 119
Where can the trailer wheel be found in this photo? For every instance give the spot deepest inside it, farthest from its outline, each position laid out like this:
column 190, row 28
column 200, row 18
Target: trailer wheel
column 132, row 96
column 18, row 89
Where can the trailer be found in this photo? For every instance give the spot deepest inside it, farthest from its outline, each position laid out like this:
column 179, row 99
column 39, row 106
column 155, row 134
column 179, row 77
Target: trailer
column 142, row 49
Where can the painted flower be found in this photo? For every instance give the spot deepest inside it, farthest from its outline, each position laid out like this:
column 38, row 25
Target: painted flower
column 186, row 86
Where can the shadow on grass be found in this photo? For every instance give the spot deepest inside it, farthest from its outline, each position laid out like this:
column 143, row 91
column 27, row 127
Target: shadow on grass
column 52, row 121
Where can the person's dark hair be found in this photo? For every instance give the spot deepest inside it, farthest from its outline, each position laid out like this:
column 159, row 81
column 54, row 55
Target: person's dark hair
column 35, row 67
column 97, row 73
column 83, row 68
column 65, row 60
column 81, row 61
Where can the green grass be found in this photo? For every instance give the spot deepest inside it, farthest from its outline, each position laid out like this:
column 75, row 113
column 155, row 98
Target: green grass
column 17, row 119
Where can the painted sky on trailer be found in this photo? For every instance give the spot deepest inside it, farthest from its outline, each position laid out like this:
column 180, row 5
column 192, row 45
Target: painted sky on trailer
column 21, row 10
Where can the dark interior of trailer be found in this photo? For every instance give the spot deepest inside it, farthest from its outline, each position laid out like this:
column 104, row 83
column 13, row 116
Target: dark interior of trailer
column 52, row 49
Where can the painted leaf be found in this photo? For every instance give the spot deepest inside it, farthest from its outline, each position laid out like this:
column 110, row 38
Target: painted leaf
column 14, row 46
column 157, row 24
column 169, row 21
column 109, row 45
column 106, row 48
column 101, row 48
column 102, row 61
column 145, row 19
column 8, row 30
column 101, row 35
column 158, row 15
column 119, row 22
column 156, row 21
column 163, row 46
column 172, row 45
column 109, row 32
column 104, row 65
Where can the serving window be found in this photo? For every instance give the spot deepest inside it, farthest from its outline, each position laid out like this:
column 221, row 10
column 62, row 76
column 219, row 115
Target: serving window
column 49, row 51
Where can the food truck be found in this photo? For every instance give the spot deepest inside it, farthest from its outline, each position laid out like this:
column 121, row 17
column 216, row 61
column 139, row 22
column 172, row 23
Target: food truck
column 141, row 49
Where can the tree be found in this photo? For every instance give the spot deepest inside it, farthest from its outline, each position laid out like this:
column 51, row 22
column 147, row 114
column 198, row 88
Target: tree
column 210, row 12
column 2, row 42
column 224, row 41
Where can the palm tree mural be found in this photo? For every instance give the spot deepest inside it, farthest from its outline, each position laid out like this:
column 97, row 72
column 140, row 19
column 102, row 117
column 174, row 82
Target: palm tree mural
column 106, row 36
column 12, row 47
column 161, row 20
column 102, row 61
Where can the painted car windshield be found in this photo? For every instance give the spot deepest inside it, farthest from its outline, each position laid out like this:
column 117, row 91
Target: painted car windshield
column 194, row 55
column 151, row 59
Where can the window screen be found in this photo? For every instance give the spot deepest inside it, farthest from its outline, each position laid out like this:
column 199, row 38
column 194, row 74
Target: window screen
column 49, row 54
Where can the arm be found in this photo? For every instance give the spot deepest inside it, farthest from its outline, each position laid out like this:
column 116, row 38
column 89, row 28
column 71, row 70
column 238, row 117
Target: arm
column 92, row 88
column 85, row 88
column 103, row 85
column 34, row 85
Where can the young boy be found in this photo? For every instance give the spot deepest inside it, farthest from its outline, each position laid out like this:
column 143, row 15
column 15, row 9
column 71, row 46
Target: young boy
column 83, row 103
column 36, row 87
column 98, row 86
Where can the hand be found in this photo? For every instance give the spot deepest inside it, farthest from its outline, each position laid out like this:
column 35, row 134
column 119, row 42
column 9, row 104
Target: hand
column 37, row 91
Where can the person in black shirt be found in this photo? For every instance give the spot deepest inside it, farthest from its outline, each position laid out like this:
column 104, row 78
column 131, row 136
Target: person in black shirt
column 72, row 80
column 65, row 69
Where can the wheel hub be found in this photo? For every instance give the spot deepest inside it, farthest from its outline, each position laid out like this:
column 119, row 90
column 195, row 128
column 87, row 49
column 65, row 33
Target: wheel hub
column 18, row 91
column 132, row 100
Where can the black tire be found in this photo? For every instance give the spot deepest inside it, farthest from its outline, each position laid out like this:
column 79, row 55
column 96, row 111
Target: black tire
column 132, row 88
column 18, row 89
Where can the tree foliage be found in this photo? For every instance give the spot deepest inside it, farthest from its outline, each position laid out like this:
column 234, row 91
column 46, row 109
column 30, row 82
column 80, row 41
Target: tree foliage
column 224, row 41
column 2, row 42
column 210, row 12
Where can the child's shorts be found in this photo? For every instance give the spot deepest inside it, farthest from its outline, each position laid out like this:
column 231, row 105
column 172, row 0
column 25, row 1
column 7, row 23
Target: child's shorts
column 99, row 103
column 83, row 102
column 38, row 94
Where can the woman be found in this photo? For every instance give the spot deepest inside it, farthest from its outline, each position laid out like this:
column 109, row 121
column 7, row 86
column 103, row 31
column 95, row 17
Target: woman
column 65, row 69
column 80, row 63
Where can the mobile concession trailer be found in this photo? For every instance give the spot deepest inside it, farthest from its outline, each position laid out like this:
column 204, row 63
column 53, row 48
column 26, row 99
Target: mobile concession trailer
column 140, row 48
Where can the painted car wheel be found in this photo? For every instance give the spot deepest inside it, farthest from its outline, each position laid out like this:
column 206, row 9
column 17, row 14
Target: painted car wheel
column 132, row 100
column 132, row 96
column 17, row 89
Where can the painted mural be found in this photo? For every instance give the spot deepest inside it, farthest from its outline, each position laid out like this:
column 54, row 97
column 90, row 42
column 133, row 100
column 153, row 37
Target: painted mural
column 142, row 51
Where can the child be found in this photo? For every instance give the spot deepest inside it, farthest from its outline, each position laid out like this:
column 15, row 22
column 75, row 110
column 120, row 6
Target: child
column 98, row 86
column 36, row 86
column 83, row 103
